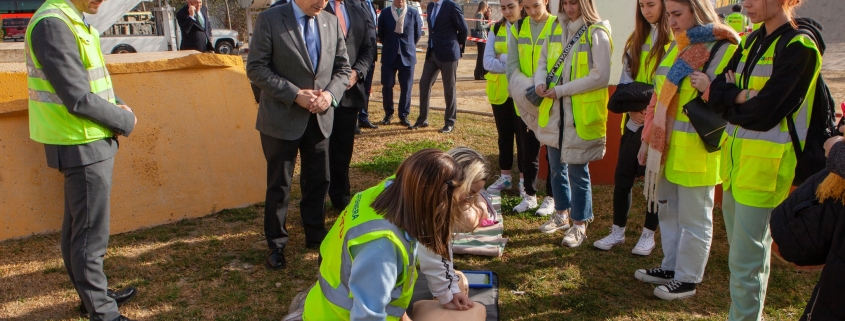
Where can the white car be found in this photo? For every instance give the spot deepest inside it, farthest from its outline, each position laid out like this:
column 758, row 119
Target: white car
column 225, row 41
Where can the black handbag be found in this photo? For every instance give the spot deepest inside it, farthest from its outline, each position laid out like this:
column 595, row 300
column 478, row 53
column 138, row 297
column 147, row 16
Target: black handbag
column 708, row 124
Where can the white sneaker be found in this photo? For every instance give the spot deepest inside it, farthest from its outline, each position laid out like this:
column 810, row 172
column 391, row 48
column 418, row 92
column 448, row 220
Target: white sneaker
column 556, row 222
column 528, row 202
column 547, row 208
column 504, row 182
column 574, row 236
column 645, row 244
column 616, row 237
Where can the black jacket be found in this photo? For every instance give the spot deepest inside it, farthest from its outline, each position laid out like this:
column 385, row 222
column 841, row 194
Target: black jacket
column 809, row 233
column 630, row 97
column 194, row 36
column 359, row 49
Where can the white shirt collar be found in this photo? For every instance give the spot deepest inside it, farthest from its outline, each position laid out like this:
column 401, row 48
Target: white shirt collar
column 75, row 9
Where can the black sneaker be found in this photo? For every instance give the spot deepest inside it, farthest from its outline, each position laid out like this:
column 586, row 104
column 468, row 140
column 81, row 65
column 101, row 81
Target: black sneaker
column 675, row 290
column 654, row 276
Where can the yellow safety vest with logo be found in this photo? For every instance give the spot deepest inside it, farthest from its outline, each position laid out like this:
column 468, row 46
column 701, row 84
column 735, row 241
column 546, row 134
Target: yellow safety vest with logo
column 497, row 84
column 760, row 166
column 528, row 47
column 49, row 119
column 738, row 21
column 687, row 161
column 330, row 298
column 589, row 109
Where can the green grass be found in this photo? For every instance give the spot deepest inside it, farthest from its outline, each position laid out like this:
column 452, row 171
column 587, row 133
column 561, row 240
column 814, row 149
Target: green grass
column 387, row 161
column 211, row 268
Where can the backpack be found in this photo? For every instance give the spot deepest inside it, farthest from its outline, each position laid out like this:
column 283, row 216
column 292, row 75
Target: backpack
column 811, row 158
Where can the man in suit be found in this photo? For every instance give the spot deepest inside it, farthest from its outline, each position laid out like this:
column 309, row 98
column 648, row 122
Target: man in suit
column 363, row 115
column 358, row 29
column 446, row 39
column 298, row 58
column 74, row 112
column 398, row 54
column 195, row 28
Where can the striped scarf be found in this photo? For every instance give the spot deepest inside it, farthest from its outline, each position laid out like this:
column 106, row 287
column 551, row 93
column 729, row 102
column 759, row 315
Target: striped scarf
column 693, row 54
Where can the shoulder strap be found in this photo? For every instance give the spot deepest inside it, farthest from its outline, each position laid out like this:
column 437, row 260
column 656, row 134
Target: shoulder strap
column 519, row 24
column 718, row 45
column 496, row 28
column 790, row 123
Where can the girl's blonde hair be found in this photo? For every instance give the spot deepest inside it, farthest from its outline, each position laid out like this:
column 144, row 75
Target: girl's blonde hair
column 588, row 10
column 702, row 10
column 475, row 168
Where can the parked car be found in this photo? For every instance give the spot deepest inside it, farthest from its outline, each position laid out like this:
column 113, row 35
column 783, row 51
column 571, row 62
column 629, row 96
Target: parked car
column 226, row 41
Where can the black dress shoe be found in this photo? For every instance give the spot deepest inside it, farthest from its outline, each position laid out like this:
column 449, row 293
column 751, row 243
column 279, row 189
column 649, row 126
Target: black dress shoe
column 447, row 129
column 312, row 246
column 357, row 130
column 366, row 124
column 122, row 318
column 404, row 122
column 120, row 296
column 386, row 120
column 418, row 126
column 276, row 260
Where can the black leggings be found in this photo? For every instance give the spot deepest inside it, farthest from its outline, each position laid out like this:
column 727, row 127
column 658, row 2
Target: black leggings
column 529, row 162
column 628, row 169
column 507, row 124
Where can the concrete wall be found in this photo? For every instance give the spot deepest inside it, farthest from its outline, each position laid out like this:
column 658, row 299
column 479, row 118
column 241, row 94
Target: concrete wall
column 194, row 150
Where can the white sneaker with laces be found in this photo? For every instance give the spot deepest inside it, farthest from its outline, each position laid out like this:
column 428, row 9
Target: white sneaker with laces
column 616, row 237
column 574, row 236
column 547, row 207
column 528, row 202
column 556, row 222
column 646, row 243
column 504, row 182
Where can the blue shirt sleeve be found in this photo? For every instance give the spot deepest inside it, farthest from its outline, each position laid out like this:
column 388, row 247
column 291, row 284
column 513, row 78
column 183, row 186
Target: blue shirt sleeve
column 376, row 267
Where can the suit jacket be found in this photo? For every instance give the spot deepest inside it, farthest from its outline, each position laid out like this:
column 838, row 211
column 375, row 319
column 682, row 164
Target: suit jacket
column 194, row 36
column 278, row 63
column 448, row 32
column 359, row 49
column 394, row 44
column 368, row 7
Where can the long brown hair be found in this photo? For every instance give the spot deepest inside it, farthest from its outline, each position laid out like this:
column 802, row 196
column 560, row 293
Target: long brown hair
column 642, row 31
column 502, row 22
column 423, row 199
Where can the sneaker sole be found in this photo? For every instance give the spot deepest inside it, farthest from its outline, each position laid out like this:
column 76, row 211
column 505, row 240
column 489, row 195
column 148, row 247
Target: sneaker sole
column 643, row 253
column 555, row 230
column 605, row 247
column 537, row 213
column 650, row 279
column 672, row 296
column 571, row 245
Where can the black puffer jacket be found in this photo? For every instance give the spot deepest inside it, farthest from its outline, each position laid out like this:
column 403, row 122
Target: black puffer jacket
column 809, row 233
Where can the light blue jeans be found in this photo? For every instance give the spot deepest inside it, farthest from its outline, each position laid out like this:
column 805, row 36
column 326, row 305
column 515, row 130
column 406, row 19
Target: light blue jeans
column 749, row 258
column 571, row 187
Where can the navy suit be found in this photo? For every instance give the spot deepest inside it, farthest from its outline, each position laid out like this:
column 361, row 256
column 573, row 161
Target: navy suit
column 446, row 39
column 398, row 54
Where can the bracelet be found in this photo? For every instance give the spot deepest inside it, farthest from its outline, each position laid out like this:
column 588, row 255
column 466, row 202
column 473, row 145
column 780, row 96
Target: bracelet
column 747, row 95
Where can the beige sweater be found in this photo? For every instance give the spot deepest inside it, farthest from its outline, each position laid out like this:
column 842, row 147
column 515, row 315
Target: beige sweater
column 574, row 149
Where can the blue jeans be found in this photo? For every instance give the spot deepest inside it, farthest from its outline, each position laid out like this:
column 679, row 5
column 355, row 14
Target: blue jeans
column 571, row 187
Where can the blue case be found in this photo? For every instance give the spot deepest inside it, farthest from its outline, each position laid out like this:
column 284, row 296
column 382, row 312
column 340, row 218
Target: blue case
column 471, row 275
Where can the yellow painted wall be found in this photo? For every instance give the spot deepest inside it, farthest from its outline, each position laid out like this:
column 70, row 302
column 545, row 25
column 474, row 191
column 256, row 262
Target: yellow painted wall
column 195, row 148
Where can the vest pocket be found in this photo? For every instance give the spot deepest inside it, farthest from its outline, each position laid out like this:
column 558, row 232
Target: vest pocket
column 759, row 163
column 689, row 155
column 590, row 113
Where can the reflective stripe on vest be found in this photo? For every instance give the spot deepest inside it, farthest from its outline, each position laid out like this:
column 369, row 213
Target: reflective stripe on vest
column 529, row 48
column 589, row 109
column 497, row 84
column 330, row 298
column 49, row 119
column 687, row 161
column 760, row 165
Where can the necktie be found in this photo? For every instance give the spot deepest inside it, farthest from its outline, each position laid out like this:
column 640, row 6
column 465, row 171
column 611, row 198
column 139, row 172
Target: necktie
column 311, row 41
column 85, row 21
column 200, row 19
column 338, row 10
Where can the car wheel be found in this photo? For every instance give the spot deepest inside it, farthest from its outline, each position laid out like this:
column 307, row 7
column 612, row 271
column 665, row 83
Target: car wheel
column 122, row 49
column 225, row 47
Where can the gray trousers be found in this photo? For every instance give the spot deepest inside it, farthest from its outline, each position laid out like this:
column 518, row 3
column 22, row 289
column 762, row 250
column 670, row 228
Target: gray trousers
column 686, row 228
column 85, row 235
column 431, row 69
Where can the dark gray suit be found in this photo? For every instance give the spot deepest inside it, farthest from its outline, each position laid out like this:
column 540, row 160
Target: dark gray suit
column 87, row 168
column 359, row 48
column 279, row 64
